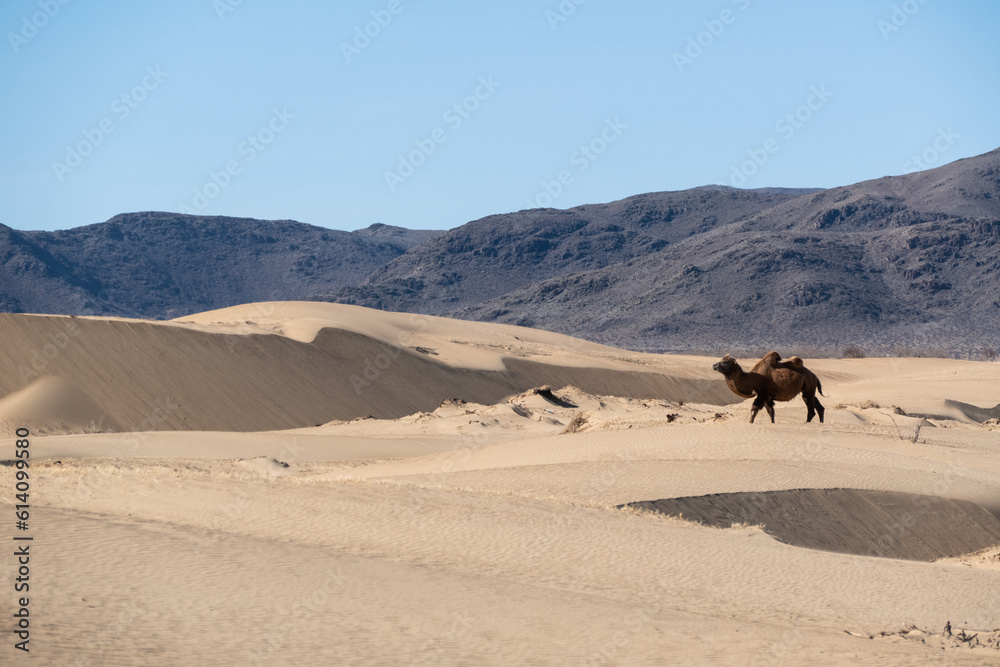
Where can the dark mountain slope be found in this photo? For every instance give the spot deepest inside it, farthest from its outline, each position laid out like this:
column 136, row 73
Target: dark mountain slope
column 929, row 285
column 397, row 237
column 895, row 262
column 967, row 189
column 486, row 258
column 165, row 265
column 30, row 277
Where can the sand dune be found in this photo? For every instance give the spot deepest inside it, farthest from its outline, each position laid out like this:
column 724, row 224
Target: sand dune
column 239, row 506
column 221, row 377
column 53, row 405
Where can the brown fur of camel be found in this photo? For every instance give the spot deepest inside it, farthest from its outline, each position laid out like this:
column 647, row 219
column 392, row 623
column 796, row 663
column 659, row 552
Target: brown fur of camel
column 772, row 379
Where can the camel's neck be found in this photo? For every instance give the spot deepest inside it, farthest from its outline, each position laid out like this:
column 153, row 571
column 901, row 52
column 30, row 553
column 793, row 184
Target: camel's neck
column 740, row 383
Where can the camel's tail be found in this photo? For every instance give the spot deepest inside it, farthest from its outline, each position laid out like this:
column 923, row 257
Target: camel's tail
column 819, row 387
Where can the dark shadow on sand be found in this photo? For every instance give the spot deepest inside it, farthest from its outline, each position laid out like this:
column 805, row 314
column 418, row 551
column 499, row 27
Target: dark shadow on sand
column 851, row 521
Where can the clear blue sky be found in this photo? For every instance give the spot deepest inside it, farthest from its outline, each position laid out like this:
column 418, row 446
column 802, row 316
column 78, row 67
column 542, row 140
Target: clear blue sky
column 183, row 86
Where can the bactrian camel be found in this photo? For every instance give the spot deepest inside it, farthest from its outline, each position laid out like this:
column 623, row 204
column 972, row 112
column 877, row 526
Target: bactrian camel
column 770, row 380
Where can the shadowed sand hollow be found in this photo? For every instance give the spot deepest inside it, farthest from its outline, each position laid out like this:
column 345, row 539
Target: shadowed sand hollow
column 974, row 412
column 852, row 521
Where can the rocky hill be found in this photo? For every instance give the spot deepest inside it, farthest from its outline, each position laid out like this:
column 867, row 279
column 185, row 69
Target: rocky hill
column 904, row 264
column 162, row 265
column 490, row 257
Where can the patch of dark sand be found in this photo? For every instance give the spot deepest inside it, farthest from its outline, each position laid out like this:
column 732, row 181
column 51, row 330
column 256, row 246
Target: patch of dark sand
column 853, row 521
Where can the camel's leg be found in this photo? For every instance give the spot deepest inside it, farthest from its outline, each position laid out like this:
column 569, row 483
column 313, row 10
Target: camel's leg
column 810, row 411
column 814, row 408
column 769, row 406
column 758, row 403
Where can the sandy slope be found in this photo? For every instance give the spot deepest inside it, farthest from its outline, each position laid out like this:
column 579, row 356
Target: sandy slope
column 232, row 376
column 475, row 532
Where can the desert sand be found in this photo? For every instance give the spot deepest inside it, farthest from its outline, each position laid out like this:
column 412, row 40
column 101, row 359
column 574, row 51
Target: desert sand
column 307, row 483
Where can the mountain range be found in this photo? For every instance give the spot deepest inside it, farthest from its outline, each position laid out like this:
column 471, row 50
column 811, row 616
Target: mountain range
column 164, row 265
column 903, row 264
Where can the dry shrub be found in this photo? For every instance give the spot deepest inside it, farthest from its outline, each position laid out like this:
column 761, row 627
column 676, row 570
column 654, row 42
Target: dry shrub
column 579, row 421
column 863, row 405
column 853, row 352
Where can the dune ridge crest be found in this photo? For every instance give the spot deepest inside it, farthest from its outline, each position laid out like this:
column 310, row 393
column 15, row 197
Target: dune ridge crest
column 267, row 366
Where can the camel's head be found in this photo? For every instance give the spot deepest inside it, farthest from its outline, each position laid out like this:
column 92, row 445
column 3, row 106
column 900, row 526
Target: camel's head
column 725, row 366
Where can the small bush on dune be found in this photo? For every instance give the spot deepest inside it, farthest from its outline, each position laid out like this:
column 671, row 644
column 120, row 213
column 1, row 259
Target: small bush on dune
column 853, row 352
column 579, row 421
column 867, row 404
